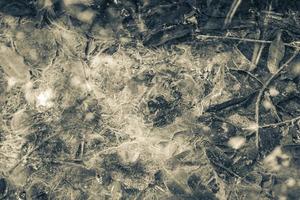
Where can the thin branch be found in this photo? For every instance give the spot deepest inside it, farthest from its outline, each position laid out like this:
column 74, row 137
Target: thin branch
column 199, row 36
column 262, row 90
column 289, row 121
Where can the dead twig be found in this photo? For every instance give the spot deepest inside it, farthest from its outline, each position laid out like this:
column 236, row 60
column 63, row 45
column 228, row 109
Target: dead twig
column 201, row 37
column 289, row 121
column 73, row 163
column 262, row 90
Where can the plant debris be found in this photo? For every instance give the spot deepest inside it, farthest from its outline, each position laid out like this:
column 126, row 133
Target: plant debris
column 156, row 99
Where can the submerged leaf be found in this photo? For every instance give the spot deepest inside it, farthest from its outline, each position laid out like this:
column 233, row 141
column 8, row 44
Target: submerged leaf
column 276, row 53
column 13, row 64
column 3, row 188
column 158, row 38
column 176, row 181
column 234, row 102
column 17, row 9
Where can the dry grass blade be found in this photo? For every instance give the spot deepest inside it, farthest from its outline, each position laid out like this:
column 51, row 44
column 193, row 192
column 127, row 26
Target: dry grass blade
column 234, row 6
column 256, row 55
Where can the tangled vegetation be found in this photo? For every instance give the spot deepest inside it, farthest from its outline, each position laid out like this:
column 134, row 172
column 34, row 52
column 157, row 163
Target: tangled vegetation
column 149, row 99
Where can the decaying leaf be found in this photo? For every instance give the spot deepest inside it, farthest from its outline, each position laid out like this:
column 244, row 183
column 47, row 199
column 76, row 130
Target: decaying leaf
column 13, row 64
column 276, row 53
column 218, row 90
column 241, row 61
column 116, row 191
column 293, row 69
